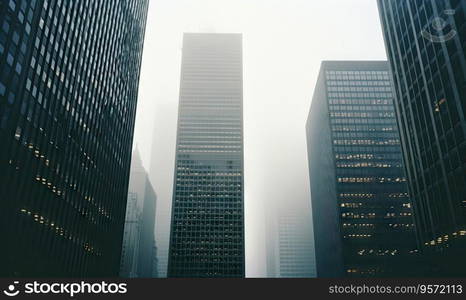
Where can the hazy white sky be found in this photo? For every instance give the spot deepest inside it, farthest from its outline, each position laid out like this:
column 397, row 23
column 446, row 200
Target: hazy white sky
column 284, row 42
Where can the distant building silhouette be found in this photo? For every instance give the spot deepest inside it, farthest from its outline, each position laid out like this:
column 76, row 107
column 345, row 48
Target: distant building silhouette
column 139, row 250
column 162, row 238
column 293, row 253
column 131, row 239
column 295, row 246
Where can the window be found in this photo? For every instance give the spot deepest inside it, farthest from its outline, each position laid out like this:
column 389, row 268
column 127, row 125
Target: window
column 12, row 5
column 18, row 68
column 6, row 27
column 11, row 98
column 18, row 133
column 10, row 59
column 2, row 88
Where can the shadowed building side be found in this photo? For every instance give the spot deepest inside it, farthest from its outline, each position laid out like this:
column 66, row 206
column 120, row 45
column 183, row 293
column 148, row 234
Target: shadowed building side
column 69, row 75
column 426, row 46
column 325, row 214
column 362, row 212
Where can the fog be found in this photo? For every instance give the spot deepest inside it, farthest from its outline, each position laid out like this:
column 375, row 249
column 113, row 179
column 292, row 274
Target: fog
column 283, row 45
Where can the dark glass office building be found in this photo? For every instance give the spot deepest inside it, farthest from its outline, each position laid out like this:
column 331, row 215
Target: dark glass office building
column 362, row 212
column 68, row 88
column 426, row 46
column 207, row 227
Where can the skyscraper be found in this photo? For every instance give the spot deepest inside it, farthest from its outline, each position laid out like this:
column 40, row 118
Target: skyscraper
column 162, row 236
column 295, row 246
column 68, row 89
column 361, row 209
column 426, row 46
column 207, row 227
column 138, row 240
column 129, row 264
column 289, row 241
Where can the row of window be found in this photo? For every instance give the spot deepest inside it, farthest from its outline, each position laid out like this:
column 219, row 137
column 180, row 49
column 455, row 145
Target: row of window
column 337, row 88
column 349, row 95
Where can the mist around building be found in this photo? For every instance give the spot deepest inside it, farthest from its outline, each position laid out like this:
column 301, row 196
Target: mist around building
column 364, row 176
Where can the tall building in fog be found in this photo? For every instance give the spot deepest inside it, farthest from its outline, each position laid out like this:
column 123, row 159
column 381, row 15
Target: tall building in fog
column 162, row 236
column 69, row 73
column 296, row 252
column 207, row 226
column 362, row 213
column 271, row 242
column 129, row 264
column 289, row 241
column 139, row 249
column 295, row 246
column 426, row 46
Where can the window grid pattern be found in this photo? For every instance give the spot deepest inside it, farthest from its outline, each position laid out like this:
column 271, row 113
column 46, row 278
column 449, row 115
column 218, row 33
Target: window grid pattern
column 375, row 211
column 207, row 227
column 430, row 85
column 295, row 246
column 68, row 90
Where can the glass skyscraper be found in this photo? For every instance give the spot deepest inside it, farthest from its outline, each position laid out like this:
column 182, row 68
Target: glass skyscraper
column 69, row 75
column 289, row 241
column 295, row 246
column 207, row 227
column 362, row 214
column 426, row 46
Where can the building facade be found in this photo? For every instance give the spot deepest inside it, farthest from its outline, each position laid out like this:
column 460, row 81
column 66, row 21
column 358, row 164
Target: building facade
column 362, row 212
column 162, row 236
column 426, row 46
column 129, row 265
column 295, row 246
column 69, row 73
column 207, row 226
column 139, row 250
column 289, row 241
